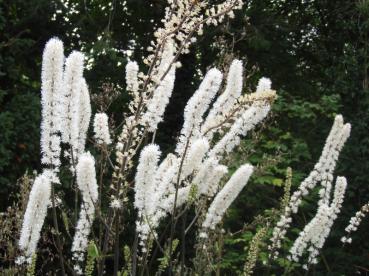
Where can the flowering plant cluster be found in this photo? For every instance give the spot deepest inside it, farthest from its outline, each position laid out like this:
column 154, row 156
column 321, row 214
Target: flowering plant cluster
column 195, row 176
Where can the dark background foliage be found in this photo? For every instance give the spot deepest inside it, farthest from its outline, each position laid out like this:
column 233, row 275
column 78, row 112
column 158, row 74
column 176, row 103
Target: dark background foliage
column 316, row 53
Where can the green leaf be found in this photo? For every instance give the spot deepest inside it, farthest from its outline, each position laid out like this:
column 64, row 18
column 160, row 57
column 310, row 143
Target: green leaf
column 92, row 250
column 277, row 182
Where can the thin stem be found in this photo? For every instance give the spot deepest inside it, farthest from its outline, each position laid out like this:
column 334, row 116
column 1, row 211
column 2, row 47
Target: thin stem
column 220, row 248
column 105, row 244
column 183, row 243
column 173, row 223
column 193, row 221
column 56, row 226
column 153, row 257
column 116, row 249
column 134, row 255
column 102, row 169
column 74, row 186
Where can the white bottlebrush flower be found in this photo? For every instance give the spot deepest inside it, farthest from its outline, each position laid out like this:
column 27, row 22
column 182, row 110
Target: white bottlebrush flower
column 86, row 177
column 246, row 122
column 327, row 163
column 35, row 214
column 226, row 196
column 213, row 181
column 194, row 157
column 355, row 222
column 158, row 102
column 146, row 170
column 264, row 84
column 196, row 107
column 315, row 233
column 101, row 128
column 225, row 102
column 84, row 116
column 208, row 177
column 131, row 77
column 51, row 93
column 72, row 81
column 146, row 195
column 167, row 205
column 322, row 172
column 339, row 194
column 164, row 184
column 315, row 227
column 86, row 181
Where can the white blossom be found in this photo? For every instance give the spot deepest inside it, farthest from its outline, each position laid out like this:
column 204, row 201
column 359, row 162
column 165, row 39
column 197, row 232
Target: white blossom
column 84, row 116
column 158, row 102
column 35, row 214
column 196, row 107
column 317, row 228
column 146, row 194
column 208, row 177
column 115, row 204
column 51, row 94
column 164, row 181
column 322, row 172
column 72, row 81
column 131, row 77
column 21, row 260
column 101, row 129
column 315, row 233
column 146, row 170
column 86, row 181
column 167, row 205
column 354, row 223
column 194, row 157
column 246, row 122
column 226, row 101
column 264, row 84
column 226, row 196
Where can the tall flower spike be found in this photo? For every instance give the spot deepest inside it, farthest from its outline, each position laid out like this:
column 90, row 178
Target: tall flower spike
column 226, row 196
column 314, row 235
column 51, row 94
column 248, row 120
column 146, row 170
column 160, row 98
column 35, row 215
column 329, row 161
column 131, row 77
column 354, row 223
column 164, row 184
column 86, row 181
column 196, row 107
column 72, row 80
column 84, row 116
column 314, row 228
column 101, row 129
column 322, row 172
column 318, row 241
column 145, row 189
column 226, row 100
